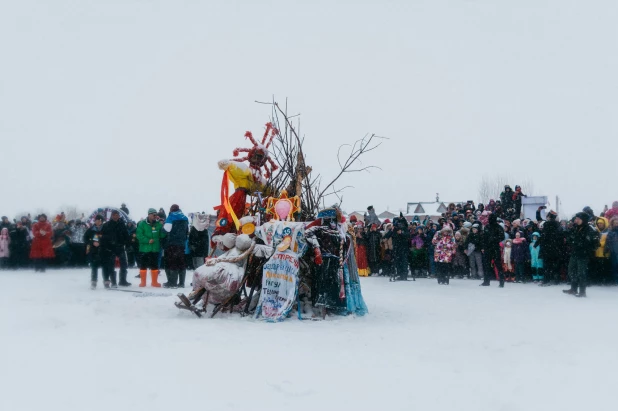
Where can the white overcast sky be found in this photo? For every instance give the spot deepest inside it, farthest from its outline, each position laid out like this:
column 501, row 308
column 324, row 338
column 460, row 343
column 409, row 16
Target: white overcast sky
column 109, row 101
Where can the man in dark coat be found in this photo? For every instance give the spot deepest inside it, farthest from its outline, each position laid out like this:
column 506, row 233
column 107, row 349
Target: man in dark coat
column 506, row 198
column 19, row 247
column 494, row 235
column 583, row 240
column 552, row 249
column 401, row 246
column 92, row 239
column 517, row 201
column 177, row 227
column 198, row 239
column 373, row 237
column 124, row 208
column 432, row 229
column 114, row 237
column 132, row 245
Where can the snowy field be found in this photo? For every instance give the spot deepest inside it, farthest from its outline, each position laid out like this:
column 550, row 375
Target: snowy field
column 422, row 347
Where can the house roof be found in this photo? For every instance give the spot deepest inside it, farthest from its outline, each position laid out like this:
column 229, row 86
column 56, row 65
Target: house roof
column 387, row 214
column 430, row 208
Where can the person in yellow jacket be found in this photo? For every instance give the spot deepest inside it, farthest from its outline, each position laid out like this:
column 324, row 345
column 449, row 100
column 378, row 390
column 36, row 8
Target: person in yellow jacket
column 149, row 234
column 600, row 264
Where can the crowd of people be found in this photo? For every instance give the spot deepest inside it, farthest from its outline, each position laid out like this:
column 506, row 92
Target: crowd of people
column 159, row 240
column 493, row 242
column 468, row 241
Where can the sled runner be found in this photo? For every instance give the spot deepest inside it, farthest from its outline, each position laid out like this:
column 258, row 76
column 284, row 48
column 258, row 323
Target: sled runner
column 186, row 304
column 137, row 293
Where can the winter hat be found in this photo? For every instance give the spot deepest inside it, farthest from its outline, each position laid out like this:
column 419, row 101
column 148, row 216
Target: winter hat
column 536, row 234
column 353, row 219
column 447, row 230
column 174, row 208
column 516, row 222
column 387, row 221
column 467, row 224
column 583, row 216
column 552, row 214
column 369, row 208
column 152, row 211
column 99, row 217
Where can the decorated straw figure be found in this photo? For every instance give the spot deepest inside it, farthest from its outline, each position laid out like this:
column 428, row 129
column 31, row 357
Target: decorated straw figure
column 246, row 179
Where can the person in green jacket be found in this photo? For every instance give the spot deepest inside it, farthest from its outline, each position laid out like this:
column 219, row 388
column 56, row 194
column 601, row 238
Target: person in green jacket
column 149, row 234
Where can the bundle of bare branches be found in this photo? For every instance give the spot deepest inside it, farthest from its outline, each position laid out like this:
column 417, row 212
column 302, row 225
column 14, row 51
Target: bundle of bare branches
column 295, row 176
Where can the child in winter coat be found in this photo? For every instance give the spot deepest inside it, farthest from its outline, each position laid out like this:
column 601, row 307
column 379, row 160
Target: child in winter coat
column 535, row 261
column 444, row 252
column 521, row 255
column 418, row 252
column 507, row 260
column 5, row 242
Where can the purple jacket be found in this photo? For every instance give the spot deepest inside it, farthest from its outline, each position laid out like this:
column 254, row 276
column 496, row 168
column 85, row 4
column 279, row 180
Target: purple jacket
column 521, row 251
column 418, row 241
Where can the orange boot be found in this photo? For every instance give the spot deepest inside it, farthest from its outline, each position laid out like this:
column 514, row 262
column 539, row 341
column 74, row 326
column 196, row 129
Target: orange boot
column 142, row 276
column 154, row 274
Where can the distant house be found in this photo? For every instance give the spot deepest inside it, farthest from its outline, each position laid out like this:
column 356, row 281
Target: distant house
column 433, row 209
column 360, row 216
column 387, row 214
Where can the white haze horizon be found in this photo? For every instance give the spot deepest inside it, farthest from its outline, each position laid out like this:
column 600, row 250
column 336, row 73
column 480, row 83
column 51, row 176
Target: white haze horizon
column 104, row 102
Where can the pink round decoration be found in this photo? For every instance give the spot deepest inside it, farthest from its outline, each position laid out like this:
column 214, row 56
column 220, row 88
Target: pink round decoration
column 283, row 208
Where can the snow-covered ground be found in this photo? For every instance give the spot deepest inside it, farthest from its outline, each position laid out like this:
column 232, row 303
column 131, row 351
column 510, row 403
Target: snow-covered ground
column 422, row 347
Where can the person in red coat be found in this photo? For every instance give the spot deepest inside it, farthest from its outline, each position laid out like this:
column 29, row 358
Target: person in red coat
column 41, row 249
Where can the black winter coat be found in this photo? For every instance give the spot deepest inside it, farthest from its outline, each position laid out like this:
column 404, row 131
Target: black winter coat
column 19, row 238
column 198, row 242
column 552, row 241
column 476, row 239
column 506, row 198
column 114, row 234
column 401, row 243
column 90, row 237
column 429, row 237
column 494, row 235
column 373, row 246
column 584, row 240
